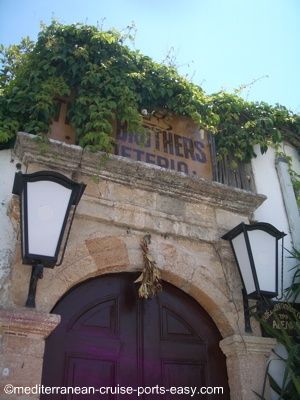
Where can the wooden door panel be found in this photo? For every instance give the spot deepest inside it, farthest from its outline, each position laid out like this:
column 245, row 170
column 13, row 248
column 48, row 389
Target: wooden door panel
column 173, row 326
column 108, row 337
column 109, row 348
column 100, row 318
column 184, row 351
column 183, row 374
column 84, row 372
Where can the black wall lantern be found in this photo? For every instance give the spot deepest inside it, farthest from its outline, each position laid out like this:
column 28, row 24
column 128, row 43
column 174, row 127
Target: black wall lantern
column 46, row 202
column 255, row 248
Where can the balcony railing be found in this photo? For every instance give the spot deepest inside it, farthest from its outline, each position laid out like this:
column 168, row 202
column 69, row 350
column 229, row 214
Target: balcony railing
column 241, row 177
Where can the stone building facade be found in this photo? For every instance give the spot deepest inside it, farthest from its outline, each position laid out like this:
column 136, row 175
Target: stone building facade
column 124, row 199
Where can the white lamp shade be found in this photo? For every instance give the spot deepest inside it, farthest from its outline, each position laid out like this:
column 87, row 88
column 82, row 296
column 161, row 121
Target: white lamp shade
column 47, row 205
column 265, row 258
column 256, row 252
column 46, row 201
column 242, row 257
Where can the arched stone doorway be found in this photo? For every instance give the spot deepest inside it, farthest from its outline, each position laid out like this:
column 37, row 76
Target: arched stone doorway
column 109, row 337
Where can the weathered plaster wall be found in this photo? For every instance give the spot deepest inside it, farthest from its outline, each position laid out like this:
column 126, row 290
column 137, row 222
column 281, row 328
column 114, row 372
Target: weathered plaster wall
column 273, row 210
column 7, row 231
column 292, row 152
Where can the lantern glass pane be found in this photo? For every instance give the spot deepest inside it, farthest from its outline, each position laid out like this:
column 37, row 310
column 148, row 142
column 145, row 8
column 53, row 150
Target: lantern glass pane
column 263, row 247
column 47, row 204
column 242, row 256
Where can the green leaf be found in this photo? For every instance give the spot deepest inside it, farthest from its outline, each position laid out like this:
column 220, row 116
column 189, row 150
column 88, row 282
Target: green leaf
column 94, row 68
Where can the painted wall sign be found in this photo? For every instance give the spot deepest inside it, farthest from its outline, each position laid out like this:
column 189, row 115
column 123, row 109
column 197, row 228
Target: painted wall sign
column 60, row 128
column 282, row 316
column 172, row 142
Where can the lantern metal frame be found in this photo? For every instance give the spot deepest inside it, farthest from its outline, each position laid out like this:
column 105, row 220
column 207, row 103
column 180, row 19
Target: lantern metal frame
column 263, row 297
column 39, row 261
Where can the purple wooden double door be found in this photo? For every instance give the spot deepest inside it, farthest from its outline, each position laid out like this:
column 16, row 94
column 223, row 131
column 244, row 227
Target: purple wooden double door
column 108, row 337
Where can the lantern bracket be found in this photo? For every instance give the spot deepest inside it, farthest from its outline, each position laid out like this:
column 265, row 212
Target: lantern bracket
column 262, row 304
column 36, row 274
column 246, row 312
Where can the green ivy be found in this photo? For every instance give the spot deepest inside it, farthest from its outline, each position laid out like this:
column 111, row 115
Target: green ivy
column 105, row 79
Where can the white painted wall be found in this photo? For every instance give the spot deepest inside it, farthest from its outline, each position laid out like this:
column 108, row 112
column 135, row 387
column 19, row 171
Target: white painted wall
column 273, row 210
column 292, row 152
column 7, row 233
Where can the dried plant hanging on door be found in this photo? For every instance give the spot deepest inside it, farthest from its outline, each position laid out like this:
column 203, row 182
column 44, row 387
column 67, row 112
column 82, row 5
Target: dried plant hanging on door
column 150, row 278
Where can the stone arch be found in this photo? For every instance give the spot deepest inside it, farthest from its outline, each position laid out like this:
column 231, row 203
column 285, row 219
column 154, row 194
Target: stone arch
column 91, row 258
column 112, row 254
column 200, row 274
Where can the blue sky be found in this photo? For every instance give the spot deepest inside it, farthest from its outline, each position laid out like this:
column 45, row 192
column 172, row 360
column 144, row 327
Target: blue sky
column 218, row 44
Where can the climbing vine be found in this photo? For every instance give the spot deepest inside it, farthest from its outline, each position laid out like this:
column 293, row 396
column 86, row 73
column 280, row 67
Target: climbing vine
column 103, row 80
